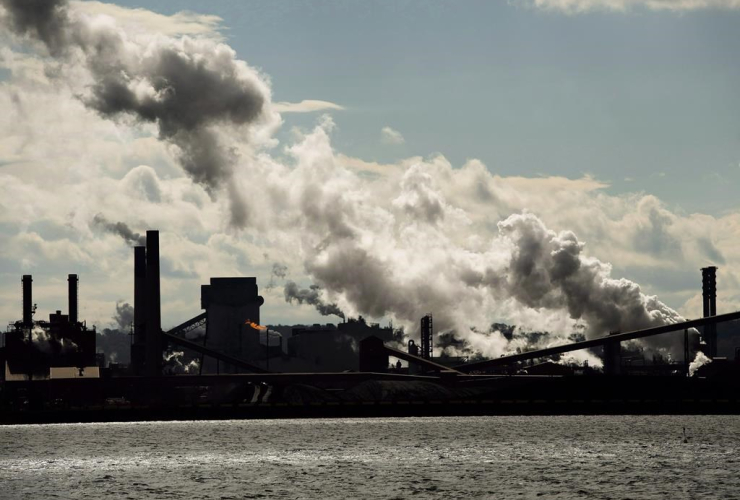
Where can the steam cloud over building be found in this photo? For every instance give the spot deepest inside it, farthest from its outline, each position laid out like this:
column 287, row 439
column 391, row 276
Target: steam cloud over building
column 393, row 242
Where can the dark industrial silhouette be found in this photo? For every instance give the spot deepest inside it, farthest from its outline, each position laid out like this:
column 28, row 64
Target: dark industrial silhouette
column 51, row 371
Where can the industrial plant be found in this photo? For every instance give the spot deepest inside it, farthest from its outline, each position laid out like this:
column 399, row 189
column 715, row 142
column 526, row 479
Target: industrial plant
column 237, row 368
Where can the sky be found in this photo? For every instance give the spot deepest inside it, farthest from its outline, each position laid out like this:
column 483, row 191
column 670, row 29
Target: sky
column 390, row 146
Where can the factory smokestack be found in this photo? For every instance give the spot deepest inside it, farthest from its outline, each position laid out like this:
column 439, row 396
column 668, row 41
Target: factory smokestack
column 153, row 312
column 427, row 334
column 72, row 293
column 709, row 296
column 138, row 356
column 27, row 301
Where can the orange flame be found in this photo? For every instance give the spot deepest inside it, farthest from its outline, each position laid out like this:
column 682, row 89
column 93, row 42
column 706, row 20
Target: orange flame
column 255, row 325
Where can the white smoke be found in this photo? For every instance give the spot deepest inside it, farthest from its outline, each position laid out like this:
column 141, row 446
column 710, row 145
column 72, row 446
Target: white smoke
column 380, row 241
column 175, row 364
column 274, row 338
column 45, row 343
column 700, row 360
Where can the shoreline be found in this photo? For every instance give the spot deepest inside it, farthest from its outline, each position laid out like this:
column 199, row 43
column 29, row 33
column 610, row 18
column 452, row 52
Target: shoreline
column 371, row 409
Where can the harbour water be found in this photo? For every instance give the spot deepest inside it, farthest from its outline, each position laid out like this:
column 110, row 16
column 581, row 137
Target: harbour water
column 594, row 457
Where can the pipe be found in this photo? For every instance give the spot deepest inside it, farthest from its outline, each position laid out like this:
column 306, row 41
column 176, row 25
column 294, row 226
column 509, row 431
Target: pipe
column 72, row 293
column 153, row 311
column 27, row 301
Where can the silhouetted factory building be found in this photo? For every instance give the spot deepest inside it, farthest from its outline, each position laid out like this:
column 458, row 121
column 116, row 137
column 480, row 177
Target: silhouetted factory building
column 334, row 348
column 230, row 303
column 62, row 347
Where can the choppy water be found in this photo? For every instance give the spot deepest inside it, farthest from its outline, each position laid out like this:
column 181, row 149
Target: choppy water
column 489, row 457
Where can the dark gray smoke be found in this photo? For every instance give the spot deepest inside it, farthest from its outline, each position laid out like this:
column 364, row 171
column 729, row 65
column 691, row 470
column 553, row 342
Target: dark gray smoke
column 44, row 20
column 192, row 89
column 279, row 270
column 311, row 296
column 115, row 343
column 124, row 316
column 121, row 229
column 189, row 96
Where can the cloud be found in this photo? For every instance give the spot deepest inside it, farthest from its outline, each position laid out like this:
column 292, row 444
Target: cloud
column 305, row 106
column 580, row 6
column 390, row 136
column 142, row 20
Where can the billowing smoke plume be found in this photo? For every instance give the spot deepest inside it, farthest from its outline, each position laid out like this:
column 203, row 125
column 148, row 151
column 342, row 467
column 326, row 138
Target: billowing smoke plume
column 194, row 90
column 311, row 296
column 121, row 229
column 547, row 270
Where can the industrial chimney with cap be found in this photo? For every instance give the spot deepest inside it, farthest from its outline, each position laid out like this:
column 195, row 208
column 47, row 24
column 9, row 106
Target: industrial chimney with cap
column 709, row 295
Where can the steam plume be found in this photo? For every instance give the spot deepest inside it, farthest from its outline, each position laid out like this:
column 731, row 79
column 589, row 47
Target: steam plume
column 44, row 342
column 547, row 270
column 700, row 360
column 175, row 363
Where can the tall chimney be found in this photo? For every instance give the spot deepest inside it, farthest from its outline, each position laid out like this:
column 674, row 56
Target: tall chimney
column 153, row 311
column 72, row 292
column 709, row 295
column 27, row 301
column 139, row 294
column 138, row 354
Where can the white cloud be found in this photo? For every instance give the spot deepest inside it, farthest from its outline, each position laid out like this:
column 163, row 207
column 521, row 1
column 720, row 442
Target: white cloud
column 142, row 20
column 305, row 106
column 579, row 6
column 391, row 136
